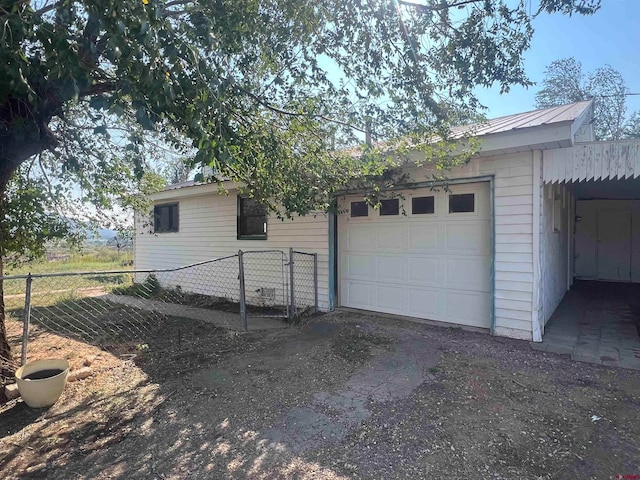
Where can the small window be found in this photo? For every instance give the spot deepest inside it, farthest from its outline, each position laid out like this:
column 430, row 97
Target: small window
column 390, row 206
column 464, row 203
column 422, row 205
column 252, row 219
column 557, row 212
column 165, row 218
column 359, row 209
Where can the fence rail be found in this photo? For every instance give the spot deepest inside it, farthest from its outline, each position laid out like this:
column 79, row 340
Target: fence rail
column 112, row 306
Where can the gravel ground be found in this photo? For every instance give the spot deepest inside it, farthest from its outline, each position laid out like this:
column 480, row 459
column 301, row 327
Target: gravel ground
column 344, row 396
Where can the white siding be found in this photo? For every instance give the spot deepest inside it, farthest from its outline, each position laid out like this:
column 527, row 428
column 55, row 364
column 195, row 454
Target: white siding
column 207, row 230
column 554, row 244
column 513, row 207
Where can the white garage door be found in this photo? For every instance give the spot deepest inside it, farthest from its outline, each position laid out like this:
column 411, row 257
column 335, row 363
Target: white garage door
column 424, row 254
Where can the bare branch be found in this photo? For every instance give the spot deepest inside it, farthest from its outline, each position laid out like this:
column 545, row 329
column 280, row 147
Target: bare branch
column 296, row 114
column 436, row 8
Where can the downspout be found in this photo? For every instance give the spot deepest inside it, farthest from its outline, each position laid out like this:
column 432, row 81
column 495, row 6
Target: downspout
column 537, row 285
column 492, row 209
column 332, row 261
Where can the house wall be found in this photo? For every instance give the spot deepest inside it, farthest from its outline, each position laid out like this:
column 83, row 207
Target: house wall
column 207, row 230
column 554, row 246
column 513, row 232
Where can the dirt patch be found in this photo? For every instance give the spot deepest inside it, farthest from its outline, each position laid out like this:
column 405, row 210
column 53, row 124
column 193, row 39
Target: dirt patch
column 358, row 346
column 345, row 396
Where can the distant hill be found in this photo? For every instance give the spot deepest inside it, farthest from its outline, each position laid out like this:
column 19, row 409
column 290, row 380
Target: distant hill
column 101, row 238
column 107, row 233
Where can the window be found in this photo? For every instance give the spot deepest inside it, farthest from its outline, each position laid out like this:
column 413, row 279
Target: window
column 359, row 209
column 252, row 219
column 390, row 207
column 558, row 204
column 165, row 218
column 422, row 205
column 464, row 203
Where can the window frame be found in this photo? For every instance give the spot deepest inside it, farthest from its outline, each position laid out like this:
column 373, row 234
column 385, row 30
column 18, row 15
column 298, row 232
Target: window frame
column 253, row 236
column 156, row 216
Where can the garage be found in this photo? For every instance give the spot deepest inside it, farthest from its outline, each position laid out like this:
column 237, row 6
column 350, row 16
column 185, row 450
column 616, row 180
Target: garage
column 422, row 253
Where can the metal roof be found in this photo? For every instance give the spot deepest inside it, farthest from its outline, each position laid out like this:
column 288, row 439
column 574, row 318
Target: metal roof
column 534, row 118
column 186, row 183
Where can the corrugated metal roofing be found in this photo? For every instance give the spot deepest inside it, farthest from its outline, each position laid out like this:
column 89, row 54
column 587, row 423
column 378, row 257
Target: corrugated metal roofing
column 187, row 183
column 535, row 118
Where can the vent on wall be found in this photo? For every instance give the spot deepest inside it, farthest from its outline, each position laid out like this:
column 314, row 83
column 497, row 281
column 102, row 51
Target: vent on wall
column 268, row 293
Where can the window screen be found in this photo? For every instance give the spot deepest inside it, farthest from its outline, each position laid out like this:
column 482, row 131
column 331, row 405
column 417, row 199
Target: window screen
column 463, row 203
column 252, row 219
column 390, row 206
column 165, row 218
column 422, row 205
column 359, row 209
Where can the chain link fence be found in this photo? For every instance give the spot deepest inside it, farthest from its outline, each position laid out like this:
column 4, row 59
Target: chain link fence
column 304, row 279
column 106, row 308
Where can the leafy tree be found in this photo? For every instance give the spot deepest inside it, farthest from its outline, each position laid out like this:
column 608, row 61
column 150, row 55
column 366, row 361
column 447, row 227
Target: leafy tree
column 632, row 128
column 176, row 169
column 565, row 82
column 266, row 92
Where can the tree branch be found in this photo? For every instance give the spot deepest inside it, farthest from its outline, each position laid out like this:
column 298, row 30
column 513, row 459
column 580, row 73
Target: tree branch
column 422, row 8
column 98, row 89
column 47, row 8
column 296, row 114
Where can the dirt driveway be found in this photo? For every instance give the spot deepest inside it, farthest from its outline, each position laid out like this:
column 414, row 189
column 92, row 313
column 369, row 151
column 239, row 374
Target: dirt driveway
column 344, row 396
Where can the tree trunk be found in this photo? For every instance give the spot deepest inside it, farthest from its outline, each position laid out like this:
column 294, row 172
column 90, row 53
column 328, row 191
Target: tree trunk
column 7, row 364
column 27, row 135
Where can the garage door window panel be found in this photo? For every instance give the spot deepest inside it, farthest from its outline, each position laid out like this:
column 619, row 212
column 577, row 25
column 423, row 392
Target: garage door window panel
column 423, row 205
column 390, row 207
column 359, row 209
column 462, row 203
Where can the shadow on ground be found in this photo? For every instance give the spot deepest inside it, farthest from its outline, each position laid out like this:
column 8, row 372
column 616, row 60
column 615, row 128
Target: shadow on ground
column 343, row 396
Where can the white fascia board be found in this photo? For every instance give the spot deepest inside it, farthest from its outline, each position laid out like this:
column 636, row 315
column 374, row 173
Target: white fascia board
column 586, row 115
column 533, row 138
column 193, row 191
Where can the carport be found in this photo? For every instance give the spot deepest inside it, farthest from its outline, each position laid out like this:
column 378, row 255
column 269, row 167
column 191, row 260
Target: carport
column 592, row 199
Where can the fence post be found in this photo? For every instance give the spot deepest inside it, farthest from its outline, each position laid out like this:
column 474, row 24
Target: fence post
column 315, row 281
column 26, row 320
column 292, row 307
column 243, row 305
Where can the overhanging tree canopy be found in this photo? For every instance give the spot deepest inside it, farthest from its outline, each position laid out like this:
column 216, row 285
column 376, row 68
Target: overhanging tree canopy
column 265, row 91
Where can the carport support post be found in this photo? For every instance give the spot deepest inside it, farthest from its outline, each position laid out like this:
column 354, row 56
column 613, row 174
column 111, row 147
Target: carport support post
column 243, row 305
column 292, row 307
column 26, row 320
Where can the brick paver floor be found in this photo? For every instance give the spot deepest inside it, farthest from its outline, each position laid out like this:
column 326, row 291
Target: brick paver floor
column 597, row 322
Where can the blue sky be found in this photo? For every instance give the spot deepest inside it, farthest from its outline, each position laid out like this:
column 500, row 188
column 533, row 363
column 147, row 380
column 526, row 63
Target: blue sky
column 611, row 36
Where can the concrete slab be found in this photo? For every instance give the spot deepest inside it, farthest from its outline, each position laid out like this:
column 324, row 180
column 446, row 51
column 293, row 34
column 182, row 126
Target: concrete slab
column 231, row 321
column 597, row 322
